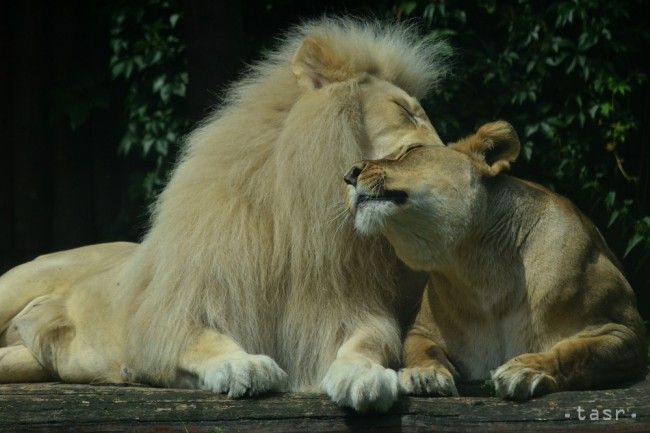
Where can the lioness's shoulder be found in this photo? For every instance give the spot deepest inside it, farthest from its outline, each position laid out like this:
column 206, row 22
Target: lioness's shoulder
column 545, row 196
column 566, row 217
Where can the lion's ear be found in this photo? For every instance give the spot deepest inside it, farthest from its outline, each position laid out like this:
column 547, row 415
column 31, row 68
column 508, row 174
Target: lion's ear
column 495, row 146
column 315, row 64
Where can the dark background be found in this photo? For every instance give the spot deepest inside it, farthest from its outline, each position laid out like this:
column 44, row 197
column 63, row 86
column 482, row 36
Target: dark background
column 62, row 187
column 98, row 95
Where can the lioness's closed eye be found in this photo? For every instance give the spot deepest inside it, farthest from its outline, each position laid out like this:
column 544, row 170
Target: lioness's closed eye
column 522, row 285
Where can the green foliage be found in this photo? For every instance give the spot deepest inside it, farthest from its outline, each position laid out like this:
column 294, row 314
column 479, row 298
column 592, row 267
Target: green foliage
column 570, row 76
column 488, row 387
column 148, row 55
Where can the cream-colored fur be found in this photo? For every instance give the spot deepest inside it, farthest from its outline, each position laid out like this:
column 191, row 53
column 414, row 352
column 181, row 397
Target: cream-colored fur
column 251, row 277
column 522, row 286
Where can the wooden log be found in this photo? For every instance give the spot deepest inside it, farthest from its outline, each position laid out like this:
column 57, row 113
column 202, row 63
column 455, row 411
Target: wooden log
column 87, row 408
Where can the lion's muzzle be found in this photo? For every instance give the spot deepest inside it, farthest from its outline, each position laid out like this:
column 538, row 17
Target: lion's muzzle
column 368, row 179
column 351, row 177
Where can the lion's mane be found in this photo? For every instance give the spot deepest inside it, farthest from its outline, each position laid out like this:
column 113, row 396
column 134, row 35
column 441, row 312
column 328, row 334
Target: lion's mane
column 247, row 238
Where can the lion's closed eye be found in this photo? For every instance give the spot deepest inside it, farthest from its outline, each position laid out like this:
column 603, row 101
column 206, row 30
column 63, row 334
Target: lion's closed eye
column 407, row 112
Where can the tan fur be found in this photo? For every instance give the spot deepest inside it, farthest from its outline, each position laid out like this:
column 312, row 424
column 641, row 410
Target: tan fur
column 522, row 285
column 250, row 250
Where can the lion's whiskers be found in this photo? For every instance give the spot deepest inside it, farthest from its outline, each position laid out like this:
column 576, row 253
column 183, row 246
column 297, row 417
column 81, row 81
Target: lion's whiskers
column 340, row 217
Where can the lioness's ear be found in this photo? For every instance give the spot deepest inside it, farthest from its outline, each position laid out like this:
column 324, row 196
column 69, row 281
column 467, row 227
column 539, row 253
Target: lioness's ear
column 315, row 64
column 495, row 146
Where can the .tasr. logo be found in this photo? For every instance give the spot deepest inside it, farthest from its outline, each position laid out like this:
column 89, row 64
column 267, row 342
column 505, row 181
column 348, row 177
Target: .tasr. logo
column 600, row 414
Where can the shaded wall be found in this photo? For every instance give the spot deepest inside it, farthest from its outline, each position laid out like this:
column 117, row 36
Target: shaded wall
column 62, row 186
column 59, row 187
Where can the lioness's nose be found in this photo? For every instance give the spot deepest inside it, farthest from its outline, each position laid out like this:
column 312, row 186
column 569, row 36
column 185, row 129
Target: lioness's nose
column 353, row 174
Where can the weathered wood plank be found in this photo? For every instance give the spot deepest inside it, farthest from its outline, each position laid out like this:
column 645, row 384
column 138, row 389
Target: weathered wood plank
column 85, row 408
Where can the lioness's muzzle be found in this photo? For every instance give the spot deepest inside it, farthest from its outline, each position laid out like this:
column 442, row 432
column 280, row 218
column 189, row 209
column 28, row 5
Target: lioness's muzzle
column 368, row 178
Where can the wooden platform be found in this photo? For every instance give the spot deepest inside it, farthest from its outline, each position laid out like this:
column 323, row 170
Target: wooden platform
column 84, row 408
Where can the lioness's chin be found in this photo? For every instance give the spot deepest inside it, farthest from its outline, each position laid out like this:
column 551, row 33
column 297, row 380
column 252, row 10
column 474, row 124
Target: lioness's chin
column 371, row 217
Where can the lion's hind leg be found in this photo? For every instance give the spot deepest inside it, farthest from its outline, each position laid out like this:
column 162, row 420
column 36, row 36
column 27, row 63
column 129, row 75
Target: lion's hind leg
column 44, row 329
column 17, row 364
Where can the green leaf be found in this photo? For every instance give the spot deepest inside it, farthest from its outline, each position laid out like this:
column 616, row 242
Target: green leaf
column 158, row 83
column 528, row 151
column 489, row 387
column 548, row 130
column 613, row 217
column 173, row 19
column 146, row 146
column 531, row 129
column 117, row 69
column 531, row 64
column 636, row 239
column 606, row 108
column 408, row 7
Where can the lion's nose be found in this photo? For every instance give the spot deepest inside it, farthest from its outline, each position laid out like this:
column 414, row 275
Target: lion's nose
column 353, row 174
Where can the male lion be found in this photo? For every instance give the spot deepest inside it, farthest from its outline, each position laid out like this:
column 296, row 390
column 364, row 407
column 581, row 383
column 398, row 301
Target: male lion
column 520, row 280
column 250, row 269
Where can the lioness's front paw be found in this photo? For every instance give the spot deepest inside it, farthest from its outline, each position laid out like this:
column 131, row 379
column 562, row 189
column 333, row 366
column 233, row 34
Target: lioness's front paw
column 427, row 381
column 361, row 384
column 522, row 378
column 243, row 375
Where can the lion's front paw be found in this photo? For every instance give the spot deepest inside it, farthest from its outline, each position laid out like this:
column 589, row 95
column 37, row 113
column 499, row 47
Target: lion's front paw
column 361, row 384
column 243, row 375
column 522, row 378
column 427, row 381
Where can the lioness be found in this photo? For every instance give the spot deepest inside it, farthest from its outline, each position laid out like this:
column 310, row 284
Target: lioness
column 520, row 280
